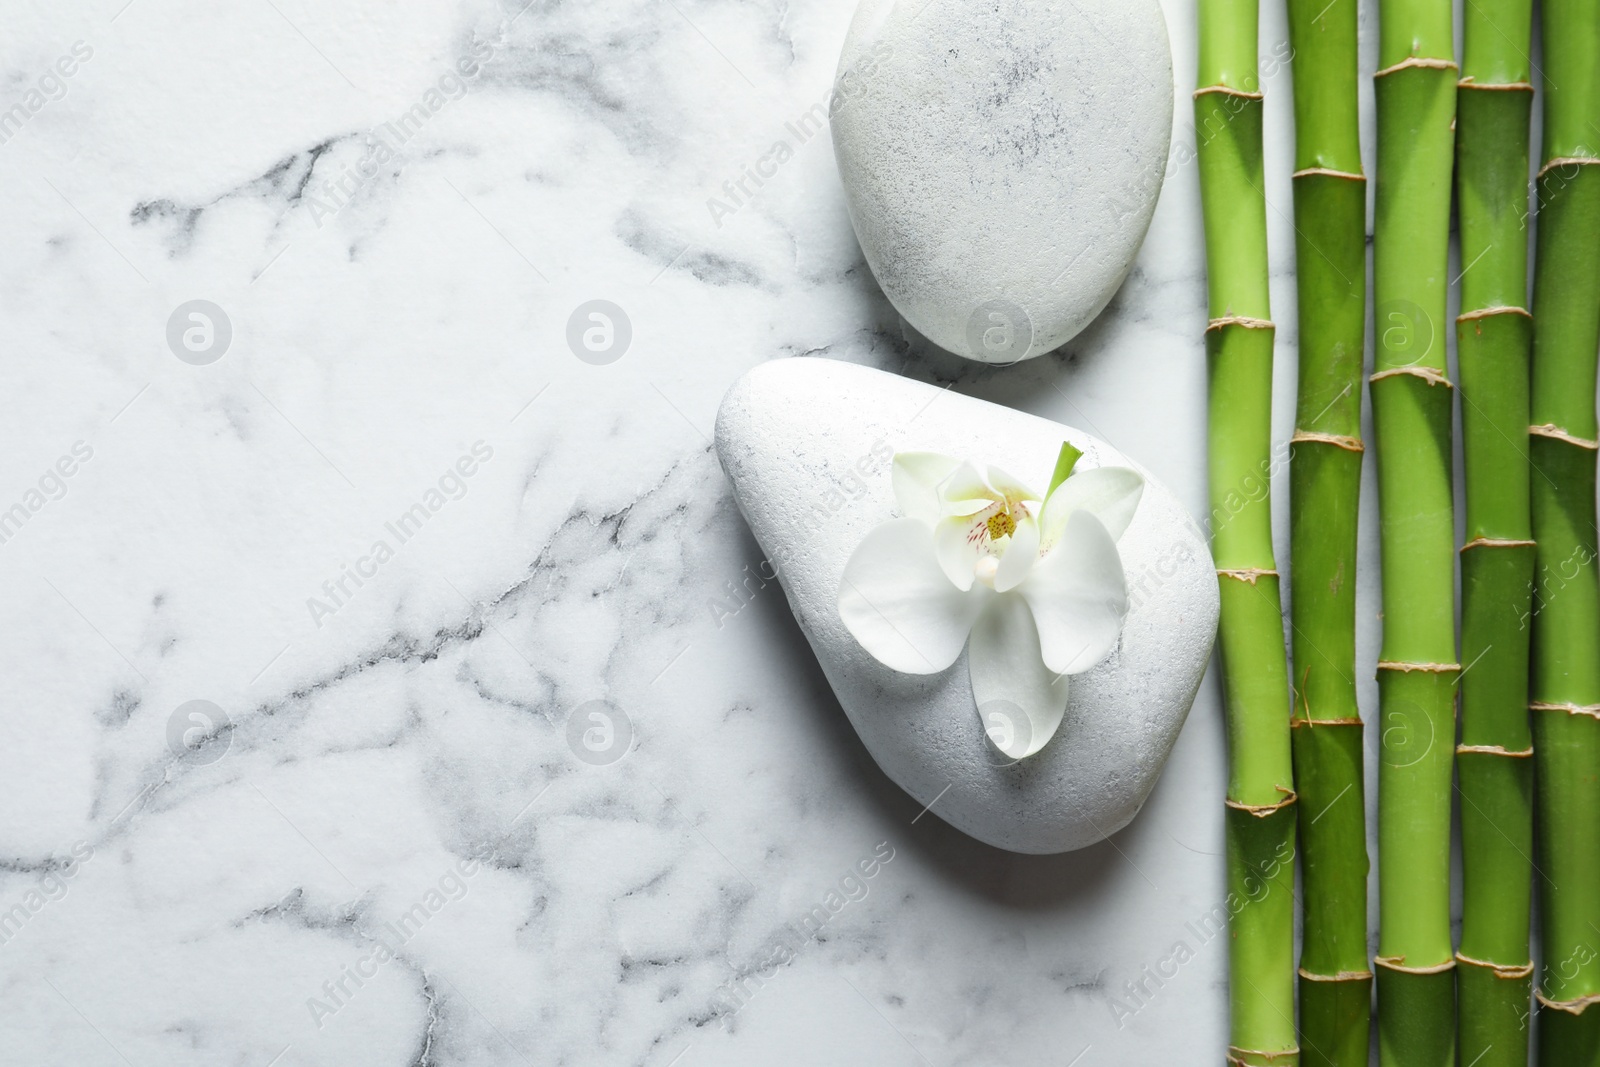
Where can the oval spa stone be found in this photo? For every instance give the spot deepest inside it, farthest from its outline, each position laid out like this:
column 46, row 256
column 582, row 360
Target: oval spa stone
column 1001, row 160
column 807, row 444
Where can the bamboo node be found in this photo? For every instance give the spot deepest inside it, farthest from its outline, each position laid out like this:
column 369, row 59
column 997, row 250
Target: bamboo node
column 1575, row 1006
column 1342, row 976
column 1501, row 970
column 1261, row 811
column 1493, row 750
column 1591, row 710
column 1497, row 542
column 1240, row 320
column 1227, row 90
column 1436, row 668
column 1236, row 1055
column 1398, row 963
column 1468, row 83
column 1554, row 432
column 1566, row 161
column 1490, row 312
column 1431, row 375
column 1344, row 441
column 1248, row 574
column 1328, row 172
column 1423, row 62
column 1325, row 722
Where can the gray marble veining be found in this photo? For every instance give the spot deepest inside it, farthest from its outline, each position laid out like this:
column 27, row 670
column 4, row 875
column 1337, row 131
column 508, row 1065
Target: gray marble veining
column 527, row 764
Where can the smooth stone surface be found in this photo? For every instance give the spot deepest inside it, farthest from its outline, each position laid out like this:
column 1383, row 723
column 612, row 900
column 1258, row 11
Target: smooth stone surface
column 799, row 438
column 1002, row 160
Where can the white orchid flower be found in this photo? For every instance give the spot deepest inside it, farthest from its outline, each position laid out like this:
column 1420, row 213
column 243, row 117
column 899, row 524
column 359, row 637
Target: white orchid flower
column 1035, row 582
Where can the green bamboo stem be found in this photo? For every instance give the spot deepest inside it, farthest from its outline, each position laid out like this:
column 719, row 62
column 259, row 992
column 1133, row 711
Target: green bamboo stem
column 1260, row 814
column 1494, row 336
column 1330, row 216
column 1566, row 634
column 1411, row 407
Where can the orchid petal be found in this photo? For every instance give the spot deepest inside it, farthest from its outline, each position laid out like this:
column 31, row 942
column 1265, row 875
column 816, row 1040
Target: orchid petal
column 966, row 507
column 1079, row 596
column 917, row 477
column 966, row 482
column 1020, row 700
column 895, row 600
column 1110, row 494
column 1021, row 554
column 958, row 548
column 1007, row 487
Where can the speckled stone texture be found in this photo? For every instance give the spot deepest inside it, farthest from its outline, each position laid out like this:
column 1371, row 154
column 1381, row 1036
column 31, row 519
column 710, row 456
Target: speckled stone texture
column 1002, row 160
column 807, row 444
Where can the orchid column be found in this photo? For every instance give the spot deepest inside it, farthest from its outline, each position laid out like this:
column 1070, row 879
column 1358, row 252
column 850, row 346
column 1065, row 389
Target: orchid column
column 1260, row 805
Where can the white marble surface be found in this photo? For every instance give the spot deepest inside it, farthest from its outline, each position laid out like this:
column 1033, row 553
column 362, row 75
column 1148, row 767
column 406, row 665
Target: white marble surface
column 377, row 335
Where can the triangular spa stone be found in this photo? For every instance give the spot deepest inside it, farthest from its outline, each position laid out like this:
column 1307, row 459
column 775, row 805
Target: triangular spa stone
column 808, row 443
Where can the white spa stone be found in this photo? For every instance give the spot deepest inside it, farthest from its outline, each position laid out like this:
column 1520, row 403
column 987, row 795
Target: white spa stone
column 1001, row 161
column 807, row 444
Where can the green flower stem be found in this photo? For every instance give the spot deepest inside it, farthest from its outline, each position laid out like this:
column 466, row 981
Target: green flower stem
column 1260, row 815
column 1494, row 337
column 1066, row 459
column 1330, row 217
column 1566, row 631
column 1411, row 404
